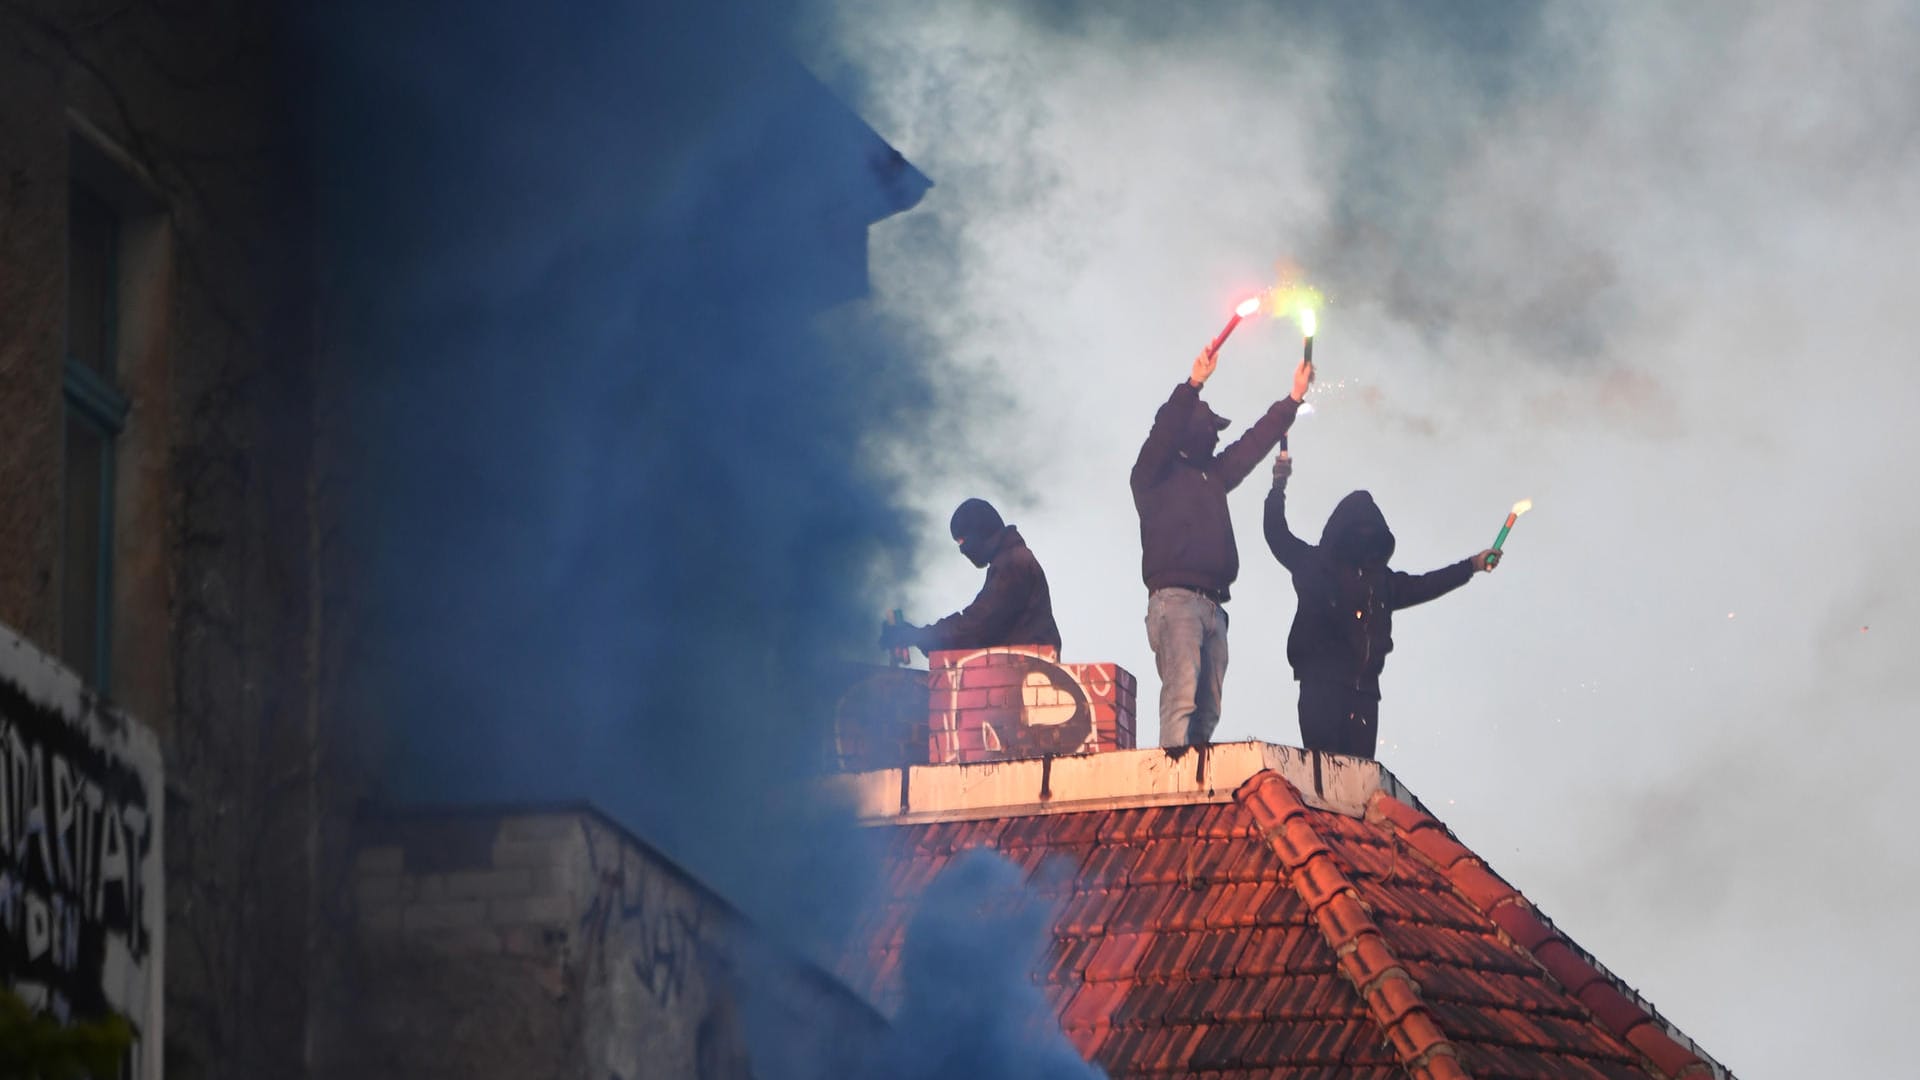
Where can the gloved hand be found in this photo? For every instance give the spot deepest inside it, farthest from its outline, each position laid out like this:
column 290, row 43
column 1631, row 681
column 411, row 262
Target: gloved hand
column 898, row 635
column 1282, row 468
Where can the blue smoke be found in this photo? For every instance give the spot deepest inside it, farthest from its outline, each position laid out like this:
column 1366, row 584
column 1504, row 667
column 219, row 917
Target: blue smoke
column 615, row 503
column 970, row 1008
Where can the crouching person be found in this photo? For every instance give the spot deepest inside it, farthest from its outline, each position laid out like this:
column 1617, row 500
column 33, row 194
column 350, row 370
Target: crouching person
column 1013, row 607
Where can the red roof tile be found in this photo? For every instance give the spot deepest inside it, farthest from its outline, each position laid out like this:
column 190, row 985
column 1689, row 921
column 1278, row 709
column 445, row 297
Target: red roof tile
column 1267, row 937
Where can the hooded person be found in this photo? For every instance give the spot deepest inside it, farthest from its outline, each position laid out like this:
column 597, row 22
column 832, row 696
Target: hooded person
column 1187, row 554
column 1013, row 607
column 1343, row 627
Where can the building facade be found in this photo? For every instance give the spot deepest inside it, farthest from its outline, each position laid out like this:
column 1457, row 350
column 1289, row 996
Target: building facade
column 178, row 339
column 157, row 409
column 549, row 941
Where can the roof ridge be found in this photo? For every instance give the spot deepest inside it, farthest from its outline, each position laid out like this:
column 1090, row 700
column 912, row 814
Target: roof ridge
column 1630, row 1019
column 1385, row 986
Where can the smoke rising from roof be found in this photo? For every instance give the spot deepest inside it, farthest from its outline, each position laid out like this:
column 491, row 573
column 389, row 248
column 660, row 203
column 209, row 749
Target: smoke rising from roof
column 619, row 497
column 1647, row 265
column 971, row 1008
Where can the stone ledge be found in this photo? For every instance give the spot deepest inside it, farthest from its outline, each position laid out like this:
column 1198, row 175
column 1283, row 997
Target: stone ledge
column 1111, row 779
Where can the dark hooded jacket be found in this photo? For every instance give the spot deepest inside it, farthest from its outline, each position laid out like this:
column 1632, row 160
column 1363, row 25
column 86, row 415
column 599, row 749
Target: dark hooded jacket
column 1180, row 490
column 1343, row 627
column 1013, row 608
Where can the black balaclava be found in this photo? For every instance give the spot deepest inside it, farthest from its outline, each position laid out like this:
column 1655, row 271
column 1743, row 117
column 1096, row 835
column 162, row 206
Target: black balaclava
column 977, row 525
column 1202, row 433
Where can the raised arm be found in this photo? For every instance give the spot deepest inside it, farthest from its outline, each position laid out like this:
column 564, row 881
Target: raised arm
column 1292, row 551
column 1236, row 461
column 1239, row 459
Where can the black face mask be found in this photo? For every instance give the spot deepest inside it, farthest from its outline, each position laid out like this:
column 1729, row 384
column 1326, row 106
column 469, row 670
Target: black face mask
column 1200, row 438
column 977, row 525
column 979, row 549
column 1203, row 432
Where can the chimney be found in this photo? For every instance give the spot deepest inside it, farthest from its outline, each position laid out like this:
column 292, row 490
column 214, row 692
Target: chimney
column 995, row 704
column 1020, row 701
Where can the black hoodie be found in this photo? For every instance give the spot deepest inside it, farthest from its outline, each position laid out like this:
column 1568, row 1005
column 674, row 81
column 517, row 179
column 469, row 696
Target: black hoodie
column 1343, row 627
column 1013, row 608
column 1180, row 490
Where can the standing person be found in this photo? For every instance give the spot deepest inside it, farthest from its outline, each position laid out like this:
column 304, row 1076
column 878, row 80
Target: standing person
column 1187, row 554
column 1343, row 628
column 1014, row 606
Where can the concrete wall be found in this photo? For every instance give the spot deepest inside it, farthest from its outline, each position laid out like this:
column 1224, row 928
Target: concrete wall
column 82, row 888
column 551, row 943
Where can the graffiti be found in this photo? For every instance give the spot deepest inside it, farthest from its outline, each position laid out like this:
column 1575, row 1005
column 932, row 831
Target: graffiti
column 1023, row 704
column 657, row 924
column 77, row 846
column 666, row 946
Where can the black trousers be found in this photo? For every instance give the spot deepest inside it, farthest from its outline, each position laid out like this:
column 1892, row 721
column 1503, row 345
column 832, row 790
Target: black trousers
column 1339, row 719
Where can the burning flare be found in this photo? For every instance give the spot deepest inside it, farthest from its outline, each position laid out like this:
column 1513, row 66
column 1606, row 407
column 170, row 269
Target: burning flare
column 1240, row 311
column 1295, row 299
column 1513, row 515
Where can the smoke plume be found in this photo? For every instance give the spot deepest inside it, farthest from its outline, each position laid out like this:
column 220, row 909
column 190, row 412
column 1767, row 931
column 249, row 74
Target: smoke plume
column 1648, row 265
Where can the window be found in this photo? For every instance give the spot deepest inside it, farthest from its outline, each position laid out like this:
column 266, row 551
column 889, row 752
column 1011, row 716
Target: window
column 96, row 413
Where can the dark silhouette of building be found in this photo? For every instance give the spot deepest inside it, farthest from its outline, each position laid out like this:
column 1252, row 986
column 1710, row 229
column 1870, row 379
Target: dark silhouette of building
column 217, row 220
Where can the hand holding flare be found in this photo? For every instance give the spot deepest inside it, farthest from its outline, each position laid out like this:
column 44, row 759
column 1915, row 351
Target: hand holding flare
column 1493, row 555
column 1204, row 363
column 1245, row 308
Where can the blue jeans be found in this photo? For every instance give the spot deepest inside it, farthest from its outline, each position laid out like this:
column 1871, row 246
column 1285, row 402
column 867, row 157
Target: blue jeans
column 1188, row 633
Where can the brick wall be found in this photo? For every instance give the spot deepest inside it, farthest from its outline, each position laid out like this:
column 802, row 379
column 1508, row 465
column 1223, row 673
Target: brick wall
column 1020, row 701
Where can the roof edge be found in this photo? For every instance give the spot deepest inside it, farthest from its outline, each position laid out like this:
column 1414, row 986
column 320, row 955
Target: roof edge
column 1615, row 1005
column 1109, row 780
column 1386, row 989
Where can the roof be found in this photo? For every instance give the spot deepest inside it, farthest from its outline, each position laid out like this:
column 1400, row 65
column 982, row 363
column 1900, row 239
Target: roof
column 1262, row 911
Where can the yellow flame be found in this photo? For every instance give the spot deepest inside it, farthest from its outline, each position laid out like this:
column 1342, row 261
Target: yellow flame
column 1293, row 300
column 1522, row 507
column 1308, row 323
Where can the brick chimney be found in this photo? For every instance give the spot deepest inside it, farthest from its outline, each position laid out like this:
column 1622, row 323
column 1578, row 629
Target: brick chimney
column 1020, row 701
column 993, row 704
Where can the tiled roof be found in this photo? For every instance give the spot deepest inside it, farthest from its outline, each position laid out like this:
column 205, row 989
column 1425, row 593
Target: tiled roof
column 1261, row 933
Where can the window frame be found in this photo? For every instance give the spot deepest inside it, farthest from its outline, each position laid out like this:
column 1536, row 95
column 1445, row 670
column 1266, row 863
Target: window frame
column 93, row 399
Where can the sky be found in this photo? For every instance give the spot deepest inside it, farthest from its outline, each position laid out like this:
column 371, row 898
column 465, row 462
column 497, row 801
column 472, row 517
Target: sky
column 1650, row 267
